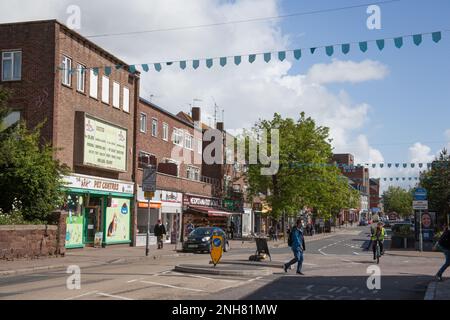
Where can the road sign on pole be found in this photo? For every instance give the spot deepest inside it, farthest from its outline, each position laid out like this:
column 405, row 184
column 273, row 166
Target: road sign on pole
column 420, row 205
column 149, row 179
column 420, row 194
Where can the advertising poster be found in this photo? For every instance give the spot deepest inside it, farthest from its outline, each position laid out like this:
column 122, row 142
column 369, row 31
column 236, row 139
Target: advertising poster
column 118, row 221
column 74, row 231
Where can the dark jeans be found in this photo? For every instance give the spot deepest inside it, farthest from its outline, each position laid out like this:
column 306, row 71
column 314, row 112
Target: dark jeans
column 374, row 247
column 446, row 263
column 298, row 257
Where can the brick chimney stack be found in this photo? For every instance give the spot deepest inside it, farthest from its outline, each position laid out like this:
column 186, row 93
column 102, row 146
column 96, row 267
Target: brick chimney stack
column 219, row 126
column 196, row 114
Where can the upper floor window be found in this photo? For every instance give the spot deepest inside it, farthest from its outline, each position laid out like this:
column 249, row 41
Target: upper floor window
column 81, row 77
column 67, row 71
column 126, row 100
column 165, row 131
column 105, row 89
column 143, row 122
column 193, row 173
column 116, row 95
column 177, row 137
column 11, row 65
column 154, row 127
column 188, row 141
column 10, row 119
column 93, row 84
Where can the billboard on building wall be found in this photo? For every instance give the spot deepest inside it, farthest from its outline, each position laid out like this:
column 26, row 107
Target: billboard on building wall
column 105, row 145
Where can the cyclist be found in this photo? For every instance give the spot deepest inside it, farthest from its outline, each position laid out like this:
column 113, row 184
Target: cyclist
column 378, row 237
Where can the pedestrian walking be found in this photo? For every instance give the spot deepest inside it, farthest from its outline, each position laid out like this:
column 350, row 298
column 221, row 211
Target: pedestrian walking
column 232, row 229
column 160, row 232
column 297, row 243
column 443, row 245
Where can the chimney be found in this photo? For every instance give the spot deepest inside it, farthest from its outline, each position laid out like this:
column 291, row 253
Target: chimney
column 219, row 126
column 196, row 116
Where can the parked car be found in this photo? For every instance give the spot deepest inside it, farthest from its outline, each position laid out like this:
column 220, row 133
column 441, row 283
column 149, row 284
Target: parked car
column 199, row 240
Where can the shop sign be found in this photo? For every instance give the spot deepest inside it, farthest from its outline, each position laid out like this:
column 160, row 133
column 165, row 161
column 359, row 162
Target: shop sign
column 94, row 183
column 118, row 220
column 74, row 230
column 105, row 145
column 169, row 196
column 197, row 201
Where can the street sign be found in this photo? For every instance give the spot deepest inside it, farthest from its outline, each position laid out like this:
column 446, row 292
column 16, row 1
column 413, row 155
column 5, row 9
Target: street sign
column 216, row 249
column 149, row 179
column 420, row 194
column 420, row 205
column 149, row 195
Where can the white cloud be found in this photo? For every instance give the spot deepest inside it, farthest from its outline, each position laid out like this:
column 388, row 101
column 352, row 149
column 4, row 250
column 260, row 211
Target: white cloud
column 420, row 153
column 347, row 71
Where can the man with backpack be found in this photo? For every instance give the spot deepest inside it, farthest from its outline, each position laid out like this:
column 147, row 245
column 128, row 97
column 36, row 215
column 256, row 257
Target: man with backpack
column 444, row 245
column 297, row 243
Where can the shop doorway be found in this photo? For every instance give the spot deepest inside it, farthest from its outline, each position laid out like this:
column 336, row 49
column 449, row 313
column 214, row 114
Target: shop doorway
column 92, row 219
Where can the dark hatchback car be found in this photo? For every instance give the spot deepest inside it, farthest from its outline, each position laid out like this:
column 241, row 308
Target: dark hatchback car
column 199, row 240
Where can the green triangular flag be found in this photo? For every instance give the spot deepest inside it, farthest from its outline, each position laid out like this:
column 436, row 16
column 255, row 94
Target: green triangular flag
column 223, row 61
column 209, row 63
column 252, row 58
column 237, row 60
column 267, row 56
column 157, row 67
column 312, row 50
column 437, row 36
column 363, row 46
column 297, row 54
column 107, row 71
column 417, row 38
column 329, row 50
column 183, row 65
column 95, row 71
column 398, row 42
column 132, row 68
column 281, row 55
column 345, row 48
column 145, row 67
column 195, row 64
column 380, row 44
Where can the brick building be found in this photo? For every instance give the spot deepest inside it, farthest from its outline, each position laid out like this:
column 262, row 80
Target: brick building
column 359, row 179
column 175, row 148
column 375, row 199
column 89, row 119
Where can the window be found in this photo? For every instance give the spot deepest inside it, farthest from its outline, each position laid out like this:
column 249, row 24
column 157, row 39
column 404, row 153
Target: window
column 11, row 65
column 165, row 131
column 145, row 159
column 81, row 77
column 10, row 119
column 116, row 95
column 177, row 137
column 143, row 122
column 93, row 84
column 193, row 173
column 105, row 89
column 66, row 71
column 126, row 99
column 175, row 163
column 154, row 127
column 199, row 146
column 188, row 141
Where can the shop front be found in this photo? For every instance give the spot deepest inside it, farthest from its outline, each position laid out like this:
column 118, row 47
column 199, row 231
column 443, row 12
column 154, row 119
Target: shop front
column 99, row 211
column 165, row 206
column 204, row 212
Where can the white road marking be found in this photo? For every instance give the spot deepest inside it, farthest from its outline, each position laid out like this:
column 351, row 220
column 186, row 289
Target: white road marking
column 202, row 277
column 356, row 253
column 309, row 264
column 113, row 296
column 309, row 287
column 82, row 295
column 170, row 286
column 134, row 280
column 251, row 280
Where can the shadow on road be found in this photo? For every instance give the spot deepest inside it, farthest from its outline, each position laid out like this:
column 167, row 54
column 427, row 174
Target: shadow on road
column 297, row 287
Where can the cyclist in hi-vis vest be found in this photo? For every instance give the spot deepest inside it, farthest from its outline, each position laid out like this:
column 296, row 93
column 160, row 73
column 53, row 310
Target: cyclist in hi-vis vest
column 377, row 237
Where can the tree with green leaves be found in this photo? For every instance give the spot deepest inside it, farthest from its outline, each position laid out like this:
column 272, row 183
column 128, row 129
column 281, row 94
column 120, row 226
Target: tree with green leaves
column 30, row 179
column 437, row 183
column 399, row 200
column 305, row 177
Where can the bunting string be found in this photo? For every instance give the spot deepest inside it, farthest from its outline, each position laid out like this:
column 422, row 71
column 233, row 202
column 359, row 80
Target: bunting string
column 297, row 54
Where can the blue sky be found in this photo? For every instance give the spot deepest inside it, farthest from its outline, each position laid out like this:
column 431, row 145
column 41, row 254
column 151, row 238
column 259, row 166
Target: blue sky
column 412, row 103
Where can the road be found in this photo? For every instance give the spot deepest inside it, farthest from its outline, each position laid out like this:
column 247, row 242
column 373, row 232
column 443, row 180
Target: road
column 335, row 268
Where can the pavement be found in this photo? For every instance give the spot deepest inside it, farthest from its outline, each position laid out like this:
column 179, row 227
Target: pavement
column 89, row 256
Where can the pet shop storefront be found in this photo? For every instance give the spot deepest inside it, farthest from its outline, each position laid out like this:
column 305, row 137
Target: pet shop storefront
column 99, row 211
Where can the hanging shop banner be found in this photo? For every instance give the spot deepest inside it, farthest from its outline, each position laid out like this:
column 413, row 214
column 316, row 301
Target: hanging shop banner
column 74, row 231
column 216, row 249
column 105, row 145
column 118, row 218
column 200, row 201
